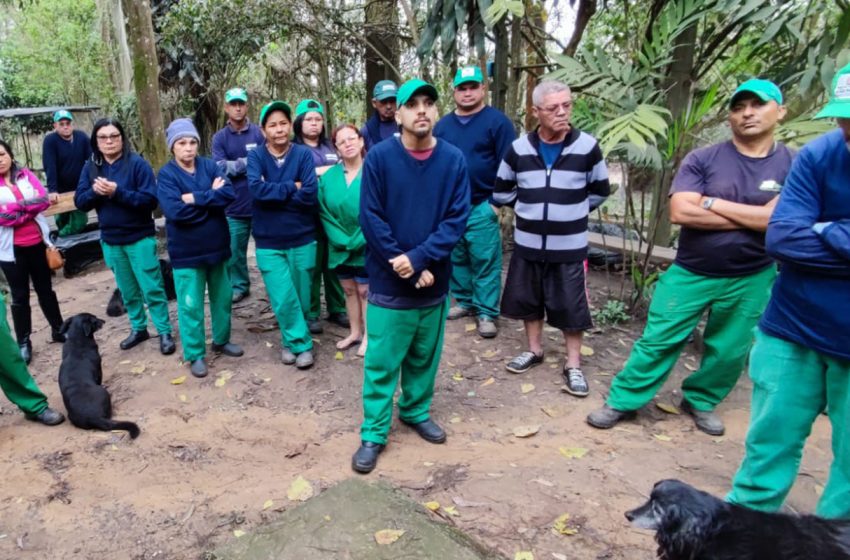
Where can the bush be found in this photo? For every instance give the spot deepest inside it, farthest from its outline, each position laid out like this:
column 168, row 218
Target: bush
column 612, row 313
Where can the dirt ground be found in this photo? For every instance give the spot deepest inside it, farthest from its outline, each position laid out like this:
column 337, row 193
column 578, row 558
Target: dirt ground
column 214, row 452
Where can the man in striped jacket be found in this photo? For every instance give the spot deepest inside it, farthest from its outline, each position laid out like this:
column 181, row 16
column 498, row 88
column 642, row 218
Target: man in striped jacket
column 552, row 177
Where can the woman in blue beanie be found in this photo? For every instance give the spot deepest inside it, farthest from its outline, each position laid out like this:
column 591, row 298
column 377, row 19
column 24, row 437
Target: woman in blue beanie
column 193, row 193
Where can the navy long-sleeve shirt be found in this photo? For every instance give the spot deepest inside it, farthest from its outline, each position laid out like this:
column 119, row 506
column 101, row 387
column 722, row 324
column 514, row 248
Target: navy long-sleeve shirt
column 125, row 217
column 230, row 148
column 412, row 207
column 810, row 303
column 484, row 139
column 284, row 216
column 63, row 160
column 197, row 233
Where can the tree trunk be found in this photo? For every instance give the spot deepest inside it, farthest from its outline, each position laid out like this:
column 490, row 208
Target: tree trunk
column 381, row 31
column 500, row 71
column 146, row 79
column 514, row 94
column 585, row 11
column 114, row 34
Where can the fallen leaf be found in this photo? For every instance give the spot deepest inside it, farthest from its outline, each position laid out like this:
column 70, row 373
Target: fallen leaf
column 124, row 362
column 267, row 504
column 178, row 380
column 489, row 353
column 689, row 367
column 267, row 379
column 544, row 482
column 552, row 412
column 526, row 431
column 662, row 437
column 428, row 464
column 183, row 398
column 527, row 388
column 489, row 382
column 433, row 506
column 562, row 526
column 451, row 510
column 339, row 356
column 300, row 490
column 455, row 420
column 388, row 536
column 114, row 447
column 269, row 345
column 138, row 369
column 327, row 518
column 222, row 378
column 238, row 533
column 668, row 408
column 470, row 328
column 573, row 452
column 457, row 376
column 523, row 555
column 586, row 350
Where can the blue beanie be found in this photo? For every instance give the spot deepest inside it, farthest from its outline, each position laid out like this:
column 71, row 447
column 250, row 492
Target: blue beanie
column 180, row 128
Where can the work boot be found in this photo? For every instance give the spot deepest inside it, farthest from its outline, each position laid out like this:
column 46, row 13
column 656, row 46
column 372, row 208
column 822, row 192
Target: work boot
column 315, row 326
column 239, row 296
column 304, row 360
column 135, row 338
column 366, row 458
column 487, row 327
column 287, row 357
column 166, row 344
column 48, row 417
column 706, row 420
column 199, row 368
column 458, row 312
column 428, row 430
column 228, row 349
column 606, row 417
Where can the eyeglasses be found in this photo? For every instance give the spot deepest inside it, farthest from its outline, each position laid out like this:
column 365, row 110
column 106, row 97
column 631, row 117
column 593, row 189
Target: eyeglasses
column 554, row 108
column 108, row 137
column 349, row 140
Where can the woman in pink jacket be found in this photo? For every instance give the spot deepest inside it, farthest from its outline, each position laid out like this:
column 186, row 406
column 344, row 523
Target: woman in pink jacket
column 24, row 236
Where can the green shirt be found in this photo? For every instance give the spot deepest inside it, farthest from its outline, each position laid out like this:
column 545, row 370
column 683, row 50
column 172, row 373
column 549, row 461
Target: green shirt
column 339, row 209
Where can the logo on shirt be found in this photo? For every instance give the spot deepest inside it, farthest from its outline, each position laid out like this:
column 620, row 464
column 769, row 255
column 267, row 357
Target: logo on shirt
column 842, row 87
column 332, row 157
column 249, row 147
column 770, row 186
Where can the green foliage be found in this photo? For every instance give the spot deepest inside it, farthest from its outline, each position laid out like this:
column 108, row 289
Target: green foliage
column 447, row 18
column 613, row 312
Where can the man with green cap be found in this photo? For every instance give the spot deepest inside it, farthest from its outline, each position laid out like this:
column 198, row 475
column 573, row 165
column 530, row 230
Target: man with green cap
column 309, row 129
column 230, row 147
column 800, row 364
column 722, row 196
column 382, row 124
column 63, row 154
column 484, row 135
column 413, row 210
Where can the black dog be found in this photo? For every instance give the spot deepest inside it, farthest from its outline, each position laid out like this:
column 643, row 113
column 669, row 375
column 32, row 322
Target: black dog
column 693, row 525
column 115, row 307
column 80, row 376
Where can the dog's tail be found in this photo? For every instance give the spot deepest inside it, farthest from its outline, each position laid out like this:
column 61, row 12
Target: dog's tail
column 131, row 427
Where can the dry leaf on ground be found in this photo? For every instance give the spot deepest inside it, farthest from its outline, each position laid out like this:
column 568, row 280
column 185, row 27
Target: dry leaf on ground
column 339, row 356
column 300, row 490
column 586, row 350
column 267, row 504
column 178, row 380
column 388, row 536
column 451, row 510
column 433, row 506
column 573, row 452
column 137, row 369
column 527, row 388
column 470, row 328
column 562, row 525
column 524, row 555
column 526, row 431
column 238, row 533
column 489, row 382
column 662, row 437
column 668, row 408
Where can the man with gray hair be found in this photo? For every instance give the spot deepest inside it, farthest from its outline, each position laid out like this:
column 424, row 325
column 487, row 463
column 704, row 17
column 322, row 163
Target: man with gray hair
column 550, row 176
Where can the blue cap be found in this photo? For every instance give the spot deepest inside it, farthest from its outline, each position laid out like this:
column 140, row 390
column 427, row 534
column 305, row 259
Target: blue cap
column 62, row 114
column 385, row 89
column 763, row 89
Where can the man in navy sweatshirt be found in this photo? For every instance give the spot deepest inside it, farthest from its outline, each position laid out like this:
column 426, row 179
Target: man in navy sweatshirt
column 484, row 135
column 63, row 154
column 230, row 147
column 413, row 210
column 800, row 364
column 382, row 124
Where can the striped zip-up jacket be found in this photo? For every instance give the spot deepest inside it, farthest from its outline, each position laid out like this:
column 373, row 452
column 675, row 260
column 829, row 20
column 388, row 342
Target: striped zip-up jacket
column 551, row 205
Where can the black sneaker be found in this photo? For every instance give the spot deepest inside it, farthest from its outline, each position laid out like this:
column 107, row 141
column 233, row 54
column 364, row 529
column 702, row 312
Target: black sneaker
column 524, row 362
column 574, row 382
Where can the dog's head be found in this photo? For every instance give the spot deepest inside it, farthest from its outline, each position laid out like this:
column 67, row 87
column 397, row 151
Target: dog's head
column 84, row 323
column 682, row 516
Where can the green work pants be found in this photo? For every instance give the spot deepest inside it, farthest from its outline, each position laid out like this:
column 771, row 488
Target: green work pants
column 191, row 284
column 334, row 296
column 476, row 281
column 237, row 266
column 276, row 266
column 792, row 385
column 137, row 273
column 680, row 299
column 69, row 223
column 16, row 382
column 406, row 342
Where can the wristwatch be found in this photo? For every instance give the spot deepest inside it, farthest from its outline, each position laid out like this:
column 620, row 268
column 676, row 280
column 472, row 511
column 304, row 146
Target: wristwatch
column 706, row 204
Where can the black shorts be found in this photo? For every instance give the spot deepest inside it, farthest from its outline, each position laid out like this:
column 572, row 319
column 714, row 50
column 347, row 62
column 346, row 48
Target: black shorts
column 556, row 291
column 357, row 273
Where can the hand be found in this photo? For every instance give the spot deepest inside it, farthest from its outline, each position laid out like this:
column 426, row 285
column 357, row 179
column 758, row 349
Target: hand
column 297, row 184
column 402, row 267
column 217, row 184
column 772, row 202
column 53, row 197
column 426, row 279
column 104, row 187
column 188, row 198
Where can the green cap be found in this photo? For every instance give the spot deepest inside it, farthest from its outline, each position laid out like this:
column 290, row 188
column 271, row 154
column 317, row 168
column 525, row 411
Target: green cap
column 411, row 87
column 308, row 105
column 62, row 114
column 275, row 106
column 236, row 94
column 468, row 74
column 763, row 89
column 839, row 97
column 385, row 89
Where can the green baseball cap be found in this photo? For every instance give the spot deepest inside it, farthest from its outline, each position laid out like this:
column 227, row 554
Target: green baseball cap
column 763, row 89
column 468, row 74
column 275, row 106
column 62, row 114
column 411, row 87
column 236, row 94
column 385, row 89
column 839, row 97
column 308, row 105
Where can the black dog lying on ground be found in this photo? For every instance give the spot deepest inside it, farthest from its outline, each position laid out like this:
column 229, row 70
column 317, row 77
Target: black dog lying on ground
column 115, row 307
column 80, row 376
column 693, row 525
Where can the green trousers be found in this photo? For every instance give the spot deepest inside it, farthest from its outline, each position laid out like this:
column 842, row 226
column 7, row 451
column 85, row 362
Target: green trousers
column 680, row 299
column 69, row 223
column 476, row 281
column 276, row 266
column 334, row 296
column 792, row 385
column 16, row 382
column 237, row 266
column 137, row 273
column 405, row 342
column 191, row 285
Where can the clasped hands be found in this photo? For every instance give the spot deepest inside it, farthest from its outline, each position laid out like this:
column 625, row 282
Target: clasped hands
column 402, row 266
column 104, row 187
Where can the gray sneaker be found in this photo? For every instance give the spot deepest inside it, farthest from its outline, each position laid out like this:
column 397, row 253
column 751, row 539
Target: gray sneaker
column 304, row 360
column 574, row 382
column 706, row 420
column 524, row 362
column 606, row 417
column 458, row 312
column 287, row 357
column 487, row 327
